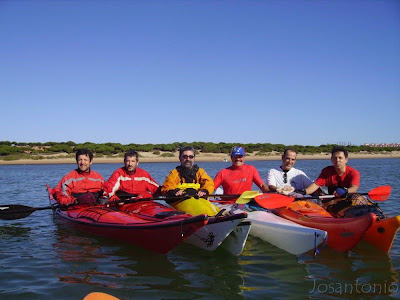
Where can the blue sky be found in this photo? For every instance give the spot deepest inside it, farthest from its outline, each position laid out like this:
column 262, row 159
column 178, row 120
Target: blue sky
column 288, row 72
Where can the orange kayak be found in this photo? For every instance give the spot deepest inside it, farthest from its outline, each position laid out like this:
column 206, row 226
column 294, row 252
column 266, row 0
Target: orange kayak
column 382, row 233
column 343, row 233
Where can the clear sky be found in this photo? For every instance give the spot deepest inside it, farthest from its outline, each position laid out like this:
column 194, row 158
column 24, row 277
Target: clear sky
column 288, row 72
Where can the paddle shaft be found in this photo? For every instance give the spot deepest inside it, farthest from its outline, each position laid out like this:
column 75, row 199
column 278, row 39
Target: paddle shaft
column 327, row 198
column 17, row 211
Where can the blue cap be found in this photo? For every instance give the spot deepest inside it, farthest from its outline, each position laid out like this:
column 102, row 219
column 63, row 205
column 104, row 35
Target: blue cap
column 238, row 150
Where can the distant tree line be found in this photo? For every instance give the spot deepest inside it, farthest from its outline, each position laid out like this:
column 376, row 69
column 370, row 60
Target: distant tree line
column 14, row 148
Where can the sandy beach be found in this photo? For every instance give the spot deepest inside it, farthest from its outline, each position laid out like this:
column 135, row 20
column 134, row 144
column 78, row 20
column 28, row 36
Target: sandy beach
column 201, row 157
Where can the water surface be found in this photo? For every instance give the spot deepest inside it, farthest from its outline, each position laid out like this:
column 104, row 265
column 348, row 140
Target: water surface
column 41, row 259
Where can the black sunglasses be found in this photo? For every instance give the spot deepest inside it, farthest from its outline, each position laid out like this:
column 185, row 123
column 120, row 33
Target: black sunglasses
column 188, row 156
column 285, row 177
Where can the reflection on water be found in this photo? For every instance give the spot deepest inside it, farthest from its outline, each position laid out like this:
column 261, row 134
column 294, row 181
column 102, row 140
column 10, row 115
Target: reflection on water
column 271, row 271
column 104, row 263
column 364, row 271
column 14, row 232
column 219, row 272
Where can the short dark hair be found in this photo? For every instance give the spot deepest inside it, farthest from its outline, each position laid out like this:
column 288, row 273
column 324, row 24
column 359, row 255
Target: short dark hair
column 131, row 153
column 187, row 148
column 287, row 150
column 340, row 149
column 84, row 152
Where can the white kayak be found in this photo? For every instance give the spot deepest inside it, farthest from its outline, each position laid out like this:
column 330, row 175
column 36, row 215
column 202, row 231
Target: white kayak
column 284, row 234
column 287, row 235
column 210, row 236
column 235, row 241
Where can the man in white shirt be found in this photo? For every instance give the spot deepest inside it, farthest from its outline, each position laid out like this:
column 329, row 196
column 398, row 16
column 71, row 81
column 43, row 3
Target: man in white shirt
column 286, row 175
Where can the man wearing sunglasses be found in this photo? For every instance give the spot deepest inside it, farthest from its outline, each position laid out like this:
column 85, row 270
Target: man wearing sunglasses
column 287, row 177
column 188, row 178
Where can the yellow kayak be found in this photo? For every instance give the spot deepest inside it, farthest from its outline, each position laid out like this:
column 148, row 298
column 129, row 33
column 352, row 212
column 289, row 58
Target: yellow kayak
column 196, row 207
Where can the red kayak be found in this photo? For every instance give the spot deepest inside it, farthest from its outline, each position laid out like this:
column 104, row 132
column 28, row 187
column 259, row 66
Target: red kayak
column 343, row 234
column 157, row 229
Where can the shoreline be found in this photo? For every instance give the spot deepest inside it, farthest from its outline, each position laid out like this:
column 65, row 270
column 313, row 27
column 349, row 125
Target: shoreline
column 202, row 157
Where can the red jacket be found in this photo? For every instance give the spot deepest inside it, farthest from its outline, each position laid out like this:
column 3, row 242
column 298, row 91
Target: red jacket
column 76, row 182
column 138, row 182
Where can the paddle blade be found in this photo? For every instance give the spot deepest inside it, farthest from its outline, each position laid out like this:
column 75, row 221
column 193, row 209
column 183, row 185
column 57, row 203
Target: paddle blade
column 246, row 197
column 380, row 193
column 16, row 211
column 271, row 201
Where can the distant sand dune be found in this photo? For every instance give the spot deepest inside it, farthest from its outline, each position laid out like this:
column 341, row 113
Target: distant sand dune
column 150, row 157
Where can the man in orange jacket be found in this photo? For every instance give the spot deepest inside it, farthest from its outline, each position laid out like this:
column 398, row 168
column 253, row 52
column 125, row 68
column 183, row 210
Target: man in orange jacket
column 181, row 179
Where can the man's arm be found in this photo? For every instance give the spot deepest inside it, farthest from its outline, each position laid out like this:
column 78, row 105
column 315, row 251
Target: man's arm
column 311, row 189
column 271, row 180
column 206, row 183
column 170, row 184
column 259, row 182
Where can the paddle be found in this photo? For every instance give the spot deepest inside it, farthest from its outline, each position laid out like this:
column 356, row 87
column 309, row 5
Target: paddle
column 17, row 211
column 174, row 199
column 269, row 201
column 380, row 193
column 246, row 197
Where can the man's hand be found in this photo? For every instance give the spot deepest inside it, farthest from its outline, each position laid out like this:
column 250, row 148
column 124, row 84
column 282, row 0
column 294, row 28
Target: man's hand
column 340, row 192
column 103, row 200
column 201, row 193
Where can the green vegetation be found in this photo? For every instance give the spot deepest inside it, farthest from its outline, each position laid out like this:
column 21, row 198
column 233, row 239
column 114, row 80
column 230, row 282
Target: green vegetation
column 14, row 150
column 167, row 154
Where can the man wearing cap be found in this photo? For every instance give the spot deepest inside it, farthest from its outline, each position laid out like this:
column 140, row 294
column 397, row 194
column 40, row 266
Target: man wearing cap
column 239, row 177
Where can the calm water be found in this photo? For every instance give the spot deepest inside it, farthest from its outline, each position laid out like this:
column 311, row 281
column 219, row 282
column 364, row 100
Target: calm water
column 40, row 259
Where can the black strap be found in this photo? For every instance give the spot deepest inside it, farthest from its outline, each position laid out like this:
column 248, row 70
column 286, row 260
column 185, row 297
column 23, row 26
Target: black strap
column 95, row 194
